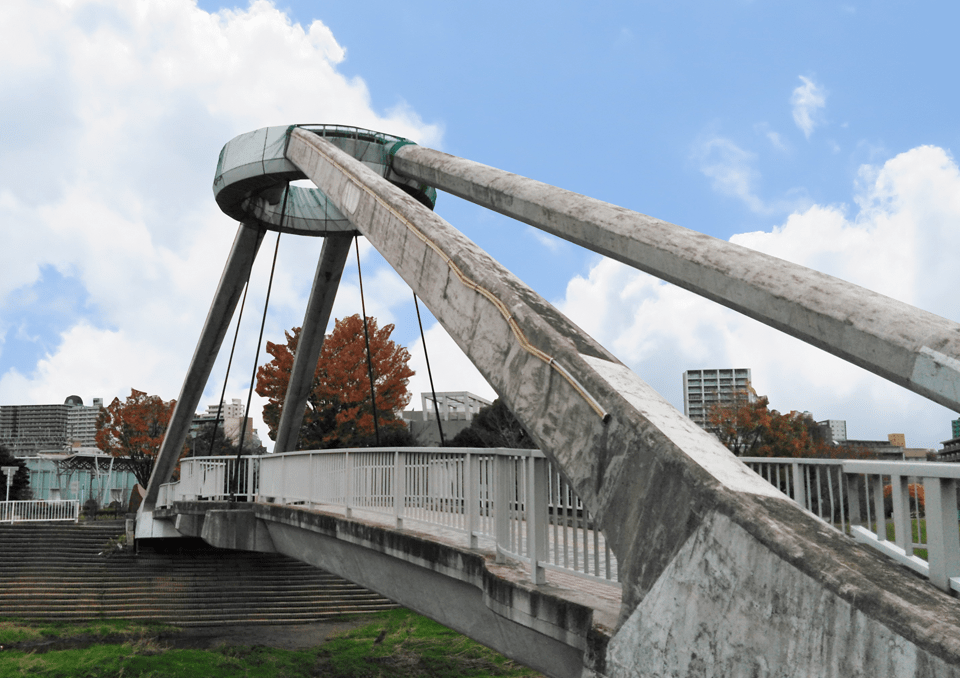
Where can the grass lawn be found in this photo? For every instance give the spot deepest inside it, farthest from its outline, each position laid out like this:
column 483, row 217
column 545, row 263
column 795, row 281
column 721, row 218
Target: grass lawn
column 396, row 643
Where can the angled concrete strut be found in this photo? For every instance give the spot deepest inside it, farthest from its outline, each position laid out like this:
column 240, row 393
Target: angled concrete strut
column 908, row 346
column 707, row 549
column 235, row 275
column 322, row 295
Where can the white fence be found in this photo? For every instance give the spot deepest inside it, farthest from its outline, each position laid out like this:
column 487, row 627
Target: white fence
column 39, row 511
column 512, row 499
column 907, row 510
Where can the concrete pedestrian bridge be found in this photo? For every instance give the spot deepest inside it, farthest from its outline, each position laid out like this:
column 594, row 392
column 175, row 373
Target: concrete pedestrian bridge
column 717, row 571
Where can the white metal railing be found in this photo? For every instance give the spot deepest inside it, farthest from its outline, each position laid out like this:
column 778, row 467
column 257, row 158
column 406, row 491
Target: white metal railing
column 540, row 521
column 213, row 478
column 35, row 511
column 907, row 510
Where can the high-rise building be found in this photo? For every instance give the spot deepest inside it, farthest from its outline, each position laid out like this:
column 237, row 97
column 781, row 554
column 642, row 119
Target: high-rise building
column 704, row 389
column 836, row 429
column 232, row 422
column 955, row 427
column 27, row 430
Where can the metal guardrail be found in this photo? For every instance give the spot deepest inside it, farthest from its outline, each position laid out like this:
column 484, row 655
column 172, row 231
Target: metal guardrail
column 906, row 510
column 542, row 521
column 37, row 511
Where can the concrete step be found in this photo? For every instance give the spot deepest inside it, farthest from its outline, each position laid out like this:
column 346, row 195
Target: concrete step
column 56, row 572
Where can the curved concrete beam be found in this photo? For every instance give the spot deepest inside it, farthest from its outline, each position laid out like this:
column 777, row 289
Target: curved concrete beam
column 910, row 347
column 721, row 574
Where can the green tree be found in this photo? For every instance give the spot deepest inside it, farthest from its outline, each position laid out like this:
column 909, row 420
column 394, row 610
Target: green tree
column 198, row 443
column 494, row 426
column 20, row 490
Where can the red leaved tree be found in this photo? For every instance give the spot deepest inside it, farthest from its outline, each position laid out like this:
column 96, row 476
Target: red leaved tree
column 749, row 428
column 338, row 411
column 134, row 429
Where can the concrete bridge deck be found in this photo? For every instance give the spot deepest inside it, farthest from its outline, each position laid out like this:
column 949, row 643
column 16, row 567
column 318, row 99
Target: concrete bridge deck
column 559, row 627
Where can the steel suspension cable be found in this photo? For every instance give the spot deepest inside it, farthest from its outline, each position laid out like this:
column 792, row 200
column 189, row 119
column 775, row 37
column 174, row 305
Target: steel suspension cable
column 235, row 481
column 253, row 377
column 366, row 337
column 433, row 391
column 233, row 347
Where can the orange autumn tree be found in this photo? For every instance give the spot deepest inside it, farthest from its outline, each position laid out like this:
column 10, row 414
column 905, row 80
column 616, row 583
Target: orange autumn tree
column 749, row 428
column 134, row 429
column 338, row 411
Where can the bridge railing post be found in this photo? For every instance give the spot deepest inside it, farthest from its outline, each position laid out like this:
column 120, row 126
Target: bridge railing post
column 853, row 498
column 502, row 496
column 536, row 505
column 348, row 490
column 399, row 487
column 799, row 495
column 943, row 538
column 471, row 491
column 902, row 521
column 876, row 481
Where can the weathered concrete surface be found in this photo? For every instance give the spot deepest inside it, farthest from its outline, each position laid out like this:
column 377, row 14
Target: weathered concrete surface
column 908, row 346
column 776, row 621
column 652, row 477
column 326, row 281
column 544, row 627
column 234, row 277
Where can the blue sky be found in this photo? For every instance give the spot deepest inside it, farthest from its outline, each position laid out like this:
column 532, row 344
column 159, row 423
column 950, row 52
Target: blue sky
column 825, row 133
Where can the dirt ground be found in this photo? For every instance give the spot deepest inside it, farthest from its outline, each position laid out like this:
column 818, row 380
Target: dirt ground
column 284, row 637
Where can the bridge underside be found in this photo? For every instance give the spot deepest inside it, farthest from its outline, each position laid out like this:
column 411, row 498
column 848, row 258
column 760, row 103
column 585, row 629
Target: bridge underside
column 554, row 630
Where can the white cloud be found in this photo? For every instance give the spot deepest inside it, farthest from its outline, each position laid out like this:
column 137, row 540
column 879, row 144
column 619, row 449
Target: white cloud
column 895, row 244
column 730, row 169
column 807, row 100
column 114, row 114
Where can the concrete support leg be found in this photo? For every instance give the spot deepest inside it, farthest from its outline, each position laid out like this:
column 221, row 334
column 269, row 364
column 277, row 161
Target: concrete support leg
column 919, row 351
column 325, row 284
column 234, row 277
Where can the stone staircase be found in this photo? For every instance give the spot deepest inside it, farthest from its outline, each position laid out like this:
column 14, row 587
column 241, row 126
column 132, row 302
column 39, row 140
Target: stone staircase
column 56, row 572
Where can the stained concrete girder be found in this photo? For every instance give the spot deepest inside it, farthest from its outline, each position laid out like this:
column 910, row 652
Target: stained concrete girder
column 553, row 630
column 908, row 346
column 659, row 486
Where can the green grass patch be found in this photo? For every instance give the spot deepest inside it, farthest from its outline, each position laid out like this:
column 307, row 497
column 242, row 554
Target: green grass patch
column 18, row 631
column 402, row 643
column 148, row 660
column 396, row 643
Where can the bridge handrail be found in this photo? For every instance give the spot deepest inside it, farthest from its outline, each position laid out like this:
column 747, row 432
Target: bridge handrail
column 899, row 508
column 459, row 489
column 39, row 511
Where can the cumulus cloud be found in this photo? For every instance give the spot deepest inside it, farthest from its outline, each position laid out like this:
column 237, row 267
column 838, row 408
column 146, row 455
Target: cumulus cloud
column 114, row 114
column 807, row 101
column 905, row 220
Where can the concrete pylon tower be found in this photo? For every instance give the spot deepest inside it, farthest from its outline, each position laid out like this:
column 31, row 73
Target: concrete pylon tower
column 722, row 574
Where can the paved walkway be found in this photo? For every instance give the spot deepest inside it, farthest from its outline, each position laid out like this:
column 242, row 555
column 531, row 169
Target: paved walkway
column 602, row 595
